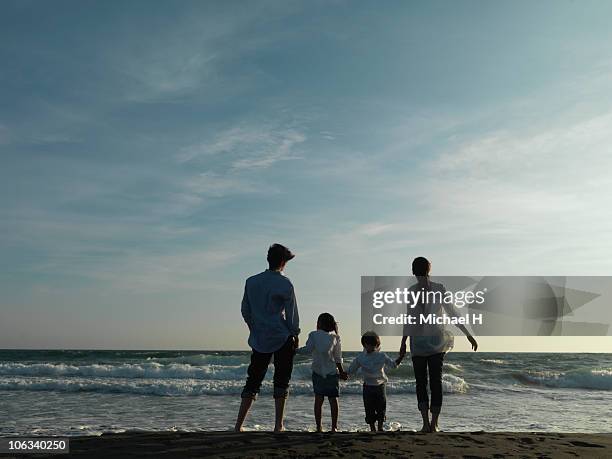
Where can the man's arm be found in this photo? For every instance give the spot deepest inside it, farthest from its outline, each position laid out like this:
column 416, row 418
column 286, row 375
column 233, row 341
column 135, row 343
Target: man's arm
column 245, row 308
column 292, row 316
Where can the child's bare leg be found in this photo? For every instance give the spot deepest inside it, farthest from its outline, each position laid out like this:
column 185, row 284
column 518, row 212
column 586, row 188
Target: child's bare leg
column 426, row 424
column 434, row 422
column 333, row 405
column 318, row 404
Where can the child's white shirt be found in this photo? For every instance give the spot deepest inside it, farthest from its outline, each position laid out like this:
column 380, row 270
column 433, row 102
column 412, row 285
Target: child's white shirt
column 326, row 351
column 372, row 367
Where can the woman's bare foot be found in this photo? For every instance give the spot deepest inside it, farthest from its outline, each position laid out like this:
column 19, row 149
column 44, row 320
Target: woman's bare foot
column 279, row 429
column 434, row 423
column 319, row 429
column 334, row 429
column 238, row 429
column 426, row 428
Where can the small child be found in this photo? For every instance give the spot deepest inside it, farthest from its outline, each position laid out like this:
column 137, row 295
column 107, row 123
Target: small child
column 324, row 345
column 372, row 363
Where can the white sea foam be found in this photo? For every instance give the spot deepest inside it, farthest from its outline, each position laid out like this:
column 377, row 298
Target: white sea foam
column 595, row 379
column 193, row 387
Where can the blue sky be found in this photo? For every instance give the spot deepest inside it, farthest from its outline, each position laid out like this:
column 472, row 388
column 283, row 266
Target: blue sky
column 151, row 151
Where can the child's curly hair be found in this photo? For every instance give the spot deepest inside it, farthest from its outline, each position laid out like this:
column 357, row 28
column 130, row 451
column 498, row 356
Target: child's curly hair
column 370, row 338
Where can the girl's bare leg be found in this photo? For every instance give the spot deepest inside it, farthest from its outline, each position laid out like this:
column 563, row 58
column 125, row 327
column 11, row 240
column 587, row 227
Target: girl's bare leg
column 318, row 404
column 333, row 405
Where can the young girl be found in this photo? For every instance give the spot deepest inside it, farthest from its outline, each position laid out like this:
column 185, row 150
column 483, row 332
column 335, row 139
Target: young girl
column 324, row 345
column 372, row 363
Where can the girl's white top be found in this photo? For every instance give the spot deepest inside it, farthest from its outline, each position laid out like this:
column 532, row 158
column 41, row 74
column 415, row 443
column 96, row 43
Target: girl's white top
column 372, row 367
column 326, row 351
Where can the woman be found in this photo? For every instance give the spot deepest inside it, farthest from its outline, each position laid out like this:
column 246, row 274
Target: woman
column 428, row 346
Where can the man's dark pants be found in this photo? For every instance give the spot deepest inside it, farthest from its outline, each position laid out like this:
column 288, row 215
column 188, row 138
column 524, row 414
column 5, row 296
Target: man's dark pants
column 283, row 366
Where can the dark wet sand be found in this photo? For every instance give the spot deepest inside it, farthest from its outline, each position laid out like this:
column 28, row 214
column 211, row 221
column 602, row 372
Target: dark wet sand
column 344, row 444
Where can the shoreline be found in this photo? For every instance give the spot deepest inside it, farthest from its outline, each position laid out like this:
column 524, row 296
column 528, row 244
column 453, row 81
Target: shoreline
column 224, row 444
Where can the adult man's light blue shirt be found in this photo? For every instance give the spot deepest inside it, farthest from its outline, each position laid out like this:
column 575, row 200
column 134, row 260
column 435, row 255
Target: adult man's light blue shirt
column 270, row 310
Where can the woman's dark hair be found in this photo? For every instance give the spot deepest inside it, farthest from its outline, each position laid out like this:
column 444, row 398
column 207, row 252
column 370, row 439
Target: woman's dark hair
column 370, row 338
column 326, row 322
column 420, row 267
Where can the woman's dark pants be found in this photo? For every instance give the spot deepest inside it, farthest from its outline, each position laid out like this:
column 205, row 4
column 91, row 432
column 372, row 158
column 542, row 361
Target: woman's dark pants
column 421, row 365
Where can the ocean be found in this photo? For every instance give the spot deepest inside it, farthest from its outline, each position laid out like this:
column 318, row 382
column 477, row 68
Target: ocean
column 90, row 392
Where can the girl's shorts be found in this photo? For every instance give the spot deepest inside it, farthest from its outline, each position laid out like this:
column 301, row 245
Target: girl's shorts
column 327, row 386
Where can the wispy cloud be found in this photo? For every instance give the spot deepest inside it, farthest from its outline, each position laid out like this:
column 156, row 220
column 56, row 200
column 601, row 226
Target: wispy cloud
column 248, row 147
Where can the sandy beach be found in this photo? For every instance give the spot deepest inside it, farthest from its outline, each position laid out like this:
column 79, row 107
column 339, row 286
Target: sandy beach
column 349, row 444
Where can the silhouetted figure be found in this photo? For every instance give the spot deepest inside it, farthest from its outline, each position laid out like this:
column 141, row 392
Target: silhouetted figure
column 269, row 309
column 428, row 348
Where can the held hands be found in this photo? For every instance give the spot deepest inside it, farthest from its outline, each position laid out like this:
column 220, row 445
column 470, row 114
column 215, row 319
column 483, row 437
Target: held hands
column 472, row 342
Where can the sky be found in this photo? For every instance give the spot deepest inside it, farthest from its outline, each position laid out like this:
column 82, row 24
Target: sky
column 152, row 151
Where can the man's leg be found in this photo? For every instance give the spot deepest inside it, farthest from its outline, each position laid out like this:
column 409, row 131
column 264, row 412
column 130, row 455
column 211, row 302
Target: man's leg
column 435, row 363
column 255, row 375
column 420, row 374
column 283, row 366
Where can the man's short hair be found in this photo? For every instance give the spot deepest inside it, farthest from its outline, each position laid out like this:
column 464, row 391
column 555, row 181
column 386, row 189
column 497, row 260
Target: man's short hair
column 277, row 254
column 370, row 338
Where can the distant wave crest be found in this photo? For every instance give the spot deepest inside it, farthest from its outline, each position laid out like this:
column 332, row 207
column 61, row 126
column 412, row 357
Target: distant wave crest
column 594, row 379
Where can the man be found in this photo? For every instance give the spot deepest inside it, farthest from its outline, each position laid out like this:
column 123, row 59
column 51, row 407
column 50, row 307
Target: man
column 269, row 309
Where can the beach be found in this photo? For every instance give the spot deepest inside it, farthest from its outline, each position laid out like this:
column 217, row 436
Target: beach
column 343, row 444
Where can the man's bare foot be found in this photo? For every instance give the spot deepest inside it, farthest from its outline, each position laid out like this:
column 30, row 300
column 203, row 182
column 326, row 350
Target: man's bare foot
column 238, row 429
column 319, row 429
column 279, row 429
column 333, row 429
column 434, row 428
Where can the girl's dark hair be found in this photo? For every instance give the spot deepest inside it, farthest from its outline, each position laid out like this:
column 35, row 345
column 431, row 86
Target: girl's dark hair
column 420, row 267
column 327, row 323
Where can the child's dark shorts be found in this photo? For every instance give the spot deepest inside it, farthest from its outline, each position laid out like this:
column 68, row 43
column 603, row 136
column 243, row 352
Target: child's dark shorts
column 327, row 386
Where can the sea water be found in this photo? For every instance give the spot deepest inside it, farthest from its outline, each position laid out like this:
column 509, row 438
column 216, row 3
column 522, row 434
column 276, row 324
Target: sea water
column 83, row 392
